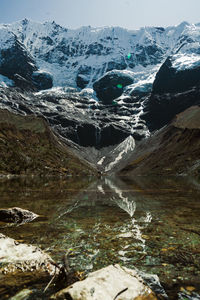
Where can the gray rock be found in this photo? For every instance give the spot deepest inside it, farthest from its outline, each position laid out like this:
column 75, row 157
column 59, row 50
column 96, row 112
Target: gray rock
column 83, row 76
column 112, row 282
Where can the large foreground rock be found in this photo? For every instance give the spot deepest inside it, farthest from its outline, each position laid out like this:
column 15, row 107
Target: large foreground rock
column 112, row 282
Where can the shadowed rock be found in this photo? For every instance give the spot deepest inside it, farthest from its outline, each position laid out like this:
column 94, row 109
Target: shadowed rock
column 111, row 85
column 17, row 215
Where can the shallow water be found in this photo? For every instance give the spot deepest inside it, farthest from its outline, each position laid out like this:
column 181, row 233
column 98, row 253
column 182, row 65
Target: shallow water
column 150, row 223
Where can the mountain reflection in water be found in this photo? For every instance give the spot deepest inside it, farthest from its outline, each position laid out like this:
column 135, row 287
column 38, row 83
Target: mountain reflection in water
column 150, row 223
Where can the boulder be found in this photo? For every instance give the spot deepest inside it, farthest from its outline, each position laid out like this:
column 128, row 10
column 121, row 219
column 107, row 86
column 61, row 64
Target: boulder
column 110, row 86
column 42, row 80
column 17, row 215
column 110, row 283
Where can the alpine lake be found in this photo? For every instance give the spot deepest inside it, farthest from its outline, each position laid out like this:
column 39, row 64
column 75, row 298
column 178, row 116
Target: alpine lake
column 151, row 223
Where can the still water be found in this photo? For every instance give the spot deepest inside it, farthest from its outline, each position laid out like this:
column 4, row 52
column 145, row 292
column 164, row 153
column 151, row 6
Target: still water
column 150, row 223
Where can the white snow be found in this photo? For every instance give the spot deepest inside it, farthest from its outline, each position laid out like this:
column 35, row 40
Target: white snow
column 127, row 145
column 7, row 38
column 185, row 61
column 101, row 160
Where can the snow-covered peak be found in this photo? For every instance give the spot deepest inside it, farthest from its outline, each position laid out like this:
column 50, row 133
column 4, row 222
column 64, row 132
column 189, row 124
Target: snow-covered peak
column 7, row 38
column 79, row 57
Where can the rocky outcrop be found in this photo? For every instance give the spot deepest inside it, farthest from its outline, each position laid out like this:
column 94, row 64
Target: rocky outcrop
column 17, row 64
column 171, row 150
column 111, row 85
column 160, row 109
column 14, row 58
column 170, row 80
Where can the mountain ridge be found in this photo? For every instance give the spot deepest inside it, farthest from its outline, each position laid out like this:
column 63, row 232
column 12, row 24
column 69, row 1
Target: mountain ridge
column 91, row 52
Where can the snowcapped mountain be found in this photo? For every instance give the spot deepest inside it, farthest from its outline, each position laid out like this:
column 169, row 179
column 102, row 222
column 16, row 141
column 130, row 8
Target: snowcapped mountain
column 97, row 86
column 80, row 57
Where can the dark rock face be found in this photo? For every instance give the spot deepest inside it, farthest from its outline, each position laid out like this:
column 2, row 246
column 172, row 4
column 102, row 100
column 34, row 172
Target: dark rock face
column 116, row 65
column 24, row 84
column 80, row 119
column 16, row 60
column 94, row 49
column 161, row 109
column 110, row 86
column 151, row 53
column 42, row 80
column 170, row 80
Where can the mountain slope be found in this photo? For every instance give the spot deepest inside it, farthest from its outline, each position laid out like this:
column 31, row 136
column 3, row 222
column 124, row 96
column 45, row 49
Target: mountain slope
column 28, row 146
column 174, row 149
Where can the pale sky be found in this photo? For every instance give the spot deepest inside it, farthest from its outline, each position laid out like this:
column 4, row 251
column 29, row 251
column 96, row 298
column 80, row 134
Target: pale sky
column 130, row 14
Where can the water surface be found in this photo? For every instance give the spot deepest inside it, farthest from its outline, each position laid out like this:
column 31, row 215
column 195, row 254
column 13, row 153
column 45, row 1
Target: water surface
column 150, row 223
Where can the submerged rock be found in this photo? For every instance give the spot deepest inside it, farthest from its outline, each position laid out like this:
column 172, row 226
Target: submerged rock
column 112, row 282
column 16, row 215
